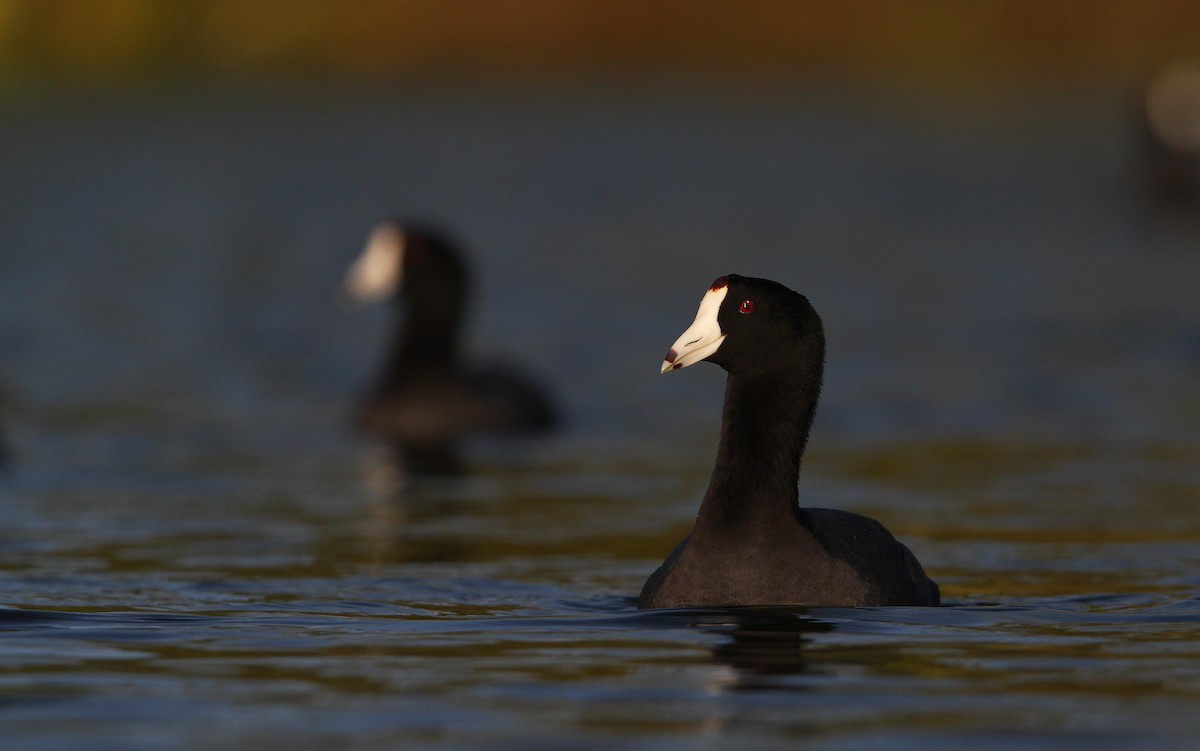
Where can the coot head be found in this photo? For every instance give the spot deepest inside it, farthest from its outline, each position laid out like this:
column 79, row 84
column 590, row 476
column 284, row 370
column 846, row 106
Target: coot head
column 748, row 326
column 401, row 257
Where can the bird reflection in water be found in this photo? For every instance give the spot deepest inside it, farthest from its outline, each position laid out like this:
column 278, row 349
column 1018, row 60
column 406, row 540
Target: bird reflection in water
column 761, row 645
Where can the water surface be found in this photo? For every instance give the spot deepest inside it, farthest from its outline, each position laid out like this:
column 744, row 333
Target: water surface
column 196, row 551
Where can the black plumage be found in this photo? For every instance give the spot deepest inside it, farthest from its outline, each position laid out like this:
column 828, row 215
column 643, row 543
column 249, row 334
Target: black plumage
column 753, row 544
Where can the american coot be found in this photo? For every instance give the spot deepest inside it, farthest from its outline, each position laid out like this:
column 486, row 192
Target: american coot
column 752, row 543
column 424, row 400
column 1170, row 130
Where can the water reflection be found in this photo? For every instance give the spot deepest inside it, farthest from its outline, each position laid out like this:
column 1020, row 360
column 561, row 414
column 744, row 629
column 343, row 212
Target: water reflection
column 759, row 645
column 767, row 643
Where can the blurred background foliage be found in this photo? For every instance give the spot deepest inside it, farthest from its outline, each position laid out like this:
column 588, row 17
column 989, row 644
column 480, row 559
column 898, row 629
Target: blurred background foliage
column 1022, row 42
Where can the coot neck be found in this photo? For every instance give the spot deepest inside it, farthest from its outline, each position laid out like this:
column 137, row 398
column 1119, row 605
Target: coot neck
column 764, row 429
column 427, row 338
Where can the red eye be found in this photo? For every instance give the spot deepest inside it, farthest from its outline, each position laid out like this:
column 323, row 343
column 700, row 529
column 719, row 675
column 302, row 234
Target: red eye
column 746, row 307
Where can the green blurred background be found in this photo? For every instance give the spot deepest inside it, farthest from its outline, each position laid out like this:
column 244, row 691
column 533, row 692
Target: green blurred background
column 979, row 43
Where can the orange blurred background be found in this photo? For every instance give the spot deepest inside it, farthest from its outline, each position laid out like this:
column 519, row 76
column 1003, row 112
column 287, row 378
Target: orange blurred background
column 1025, row 42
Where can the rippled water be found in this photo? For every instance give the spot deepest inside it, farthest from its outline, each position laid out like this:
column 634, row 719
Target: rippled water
column 197, row 552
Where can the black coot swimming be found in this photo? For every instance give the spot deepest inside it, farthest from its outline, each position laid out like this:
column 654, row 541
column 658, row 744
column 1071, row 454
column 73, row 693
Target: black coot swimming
column 753, row 544
column 1170, row 136
column 425, row 399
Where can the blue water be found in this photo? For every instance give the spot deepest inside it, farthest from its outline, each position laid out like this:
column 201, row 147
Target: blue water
column 198, row 552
